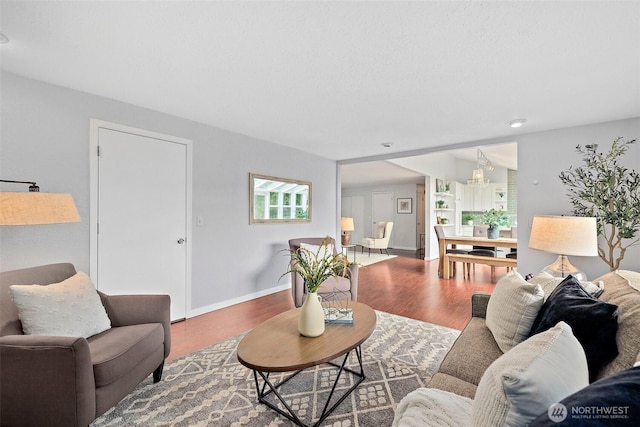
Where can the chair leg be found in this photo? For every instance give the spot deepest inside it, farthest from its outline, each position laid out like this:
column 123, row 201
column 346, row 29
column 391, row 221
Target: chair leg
column 157, row 374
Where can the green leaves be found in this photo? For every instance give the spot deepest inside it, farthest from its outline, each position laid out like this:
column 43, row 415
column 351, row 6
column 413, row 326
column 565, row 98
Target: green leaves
column 495, row 218
column 604, row 189
column 316, row 267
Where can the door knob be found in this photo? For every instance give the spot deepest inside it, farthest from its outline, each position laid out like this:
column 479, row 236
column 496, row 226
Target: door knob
column 180, row 241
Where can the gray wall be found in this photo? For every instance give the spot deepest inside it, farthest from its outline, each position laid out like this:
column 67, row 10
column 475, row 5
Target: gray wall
column 403, row 235
column 541, row 158
column 45, row 138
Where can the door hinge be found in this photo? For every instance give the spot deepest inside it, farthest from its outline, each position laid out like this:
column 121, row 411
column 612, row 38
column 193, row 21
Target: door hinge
column 98, row 151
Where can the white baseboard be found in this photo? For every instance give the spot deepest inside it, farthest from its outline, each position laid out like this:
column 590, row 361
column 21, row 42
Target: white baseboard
column 405, row 248
column 207, row 309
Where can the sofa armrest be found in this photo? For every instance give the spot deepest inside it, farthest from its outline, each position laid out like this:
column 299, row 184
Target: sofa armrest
column 124, row 310
column 479, row 302
column 46, row 380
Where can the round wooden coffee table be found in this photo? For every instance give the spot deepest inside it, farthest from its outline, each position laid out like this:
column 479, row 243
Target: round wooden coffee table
column 276, row 346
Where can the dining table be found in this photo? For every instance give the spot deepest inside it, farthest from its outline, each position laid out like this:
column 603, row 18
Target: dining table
column 501, row 242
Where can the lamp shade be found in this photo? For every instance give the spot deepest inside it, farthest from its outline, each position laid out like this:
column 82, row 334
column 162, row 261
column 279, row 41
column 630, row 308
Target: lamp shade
column 32, row 208
column 346, row 224
column 565, row 235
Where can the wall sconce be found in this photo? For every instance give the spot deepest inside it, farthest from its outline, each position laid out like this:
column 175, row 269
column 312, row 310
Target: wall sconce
column 33, row 207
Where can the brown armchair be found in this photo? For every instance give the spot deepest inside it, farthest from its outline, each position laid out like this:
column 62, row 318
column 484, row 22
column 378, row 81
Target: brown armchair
column 347, row 286
column 70, row 381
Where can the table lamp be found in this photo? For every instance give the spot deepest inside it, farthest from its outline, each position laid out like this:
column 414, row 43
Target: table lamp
column 564, row 235
column 33, row 207
column 346, row 225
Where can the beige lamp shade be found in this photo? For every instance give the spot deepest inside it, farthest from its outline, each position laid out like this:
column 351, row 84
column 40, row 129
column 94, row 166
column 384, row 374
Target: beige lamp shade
column 565, row 235
column 346, row 224
column 21, row 208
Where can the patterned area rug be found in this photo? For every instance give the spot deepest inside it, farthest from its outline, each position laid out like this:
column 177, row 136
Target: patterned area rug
column 211, row 388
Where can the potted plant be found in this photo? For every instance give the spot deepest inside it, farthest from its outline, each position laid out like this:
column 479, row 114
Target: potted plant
column 610, row 192
column 315, row 266
column 440, row 203
column 494, row 219
column 467, row 218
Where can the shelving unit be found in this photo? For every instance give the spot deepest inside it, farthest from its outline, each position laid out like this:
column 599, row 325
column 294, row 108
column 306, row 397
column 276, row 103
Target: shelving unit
column 500, row 198
column 445, row 203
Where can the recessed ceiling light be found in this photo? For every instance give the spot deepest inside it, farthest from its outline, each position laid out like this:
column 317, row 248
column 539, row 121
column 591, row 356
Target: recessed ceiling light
column 387, row 144
column 516, row 123
column 3, row 39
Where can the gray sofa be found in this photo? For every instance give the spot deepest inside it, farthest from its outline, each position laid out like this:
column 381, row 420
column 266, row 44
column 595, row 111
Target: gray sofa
column 475, row 349
column 69, row 381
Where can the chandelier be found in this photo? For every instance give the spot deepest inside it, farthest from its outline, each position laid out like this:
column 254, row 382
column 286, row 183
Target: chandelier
column 477, row 177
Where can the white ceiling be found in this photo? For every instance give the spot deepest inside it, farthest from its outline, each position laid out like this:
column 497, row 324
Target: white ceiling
column 379, row 172
column 339, row 78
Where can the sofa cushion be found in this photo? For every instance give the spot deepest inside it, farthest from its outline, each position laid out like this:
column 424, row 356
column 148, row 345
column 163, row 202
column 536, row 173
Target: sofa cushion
column 71, row 308
column 455, row 385
column 523, row 382
column 472, row 352
column 619, row 290
column 432, row 407
column 512, row 309
column 594, row 322
column 116, row 351
column 617, row 396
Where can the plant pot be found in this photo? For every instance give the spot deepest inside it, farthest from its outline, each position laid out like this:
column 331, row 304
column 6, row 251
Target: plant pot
column 493, row 233
column 470, row 222
column 311, row 320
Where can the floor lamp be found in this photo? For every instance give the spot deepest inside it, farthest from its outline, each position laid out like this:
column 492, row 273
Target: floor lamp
column 33, row 207
column 564, row 235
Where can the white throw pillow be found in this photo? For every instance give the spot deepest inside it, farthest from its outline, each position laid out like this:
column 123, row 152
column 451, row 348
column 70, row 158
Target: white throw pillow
column 432, row 407
column 549, row 283
column 322, row 251
column 71, row 308
column 523, row 383
column 512, row 309
column 380, row 232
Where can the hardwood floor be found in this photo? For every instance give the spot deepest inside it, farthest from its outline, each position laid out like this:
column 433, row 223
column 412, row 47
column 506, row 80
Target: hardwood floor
column 405, row 286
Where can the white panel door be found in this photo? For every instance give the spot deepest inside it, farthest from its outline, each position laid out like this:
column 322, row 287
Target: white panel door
column 383, row 209
column 142, row 217
column 357, row 212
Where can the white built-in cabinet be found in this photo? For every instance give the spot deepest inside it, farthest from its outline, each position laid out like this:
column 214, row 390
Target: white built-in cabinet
column 491, row 196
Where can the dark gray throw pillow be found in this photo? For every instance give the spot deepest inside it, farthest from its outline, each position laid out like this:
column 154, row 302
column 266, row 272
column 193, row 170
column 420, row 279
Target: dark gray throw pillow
column 594, row 322
column 612, row 401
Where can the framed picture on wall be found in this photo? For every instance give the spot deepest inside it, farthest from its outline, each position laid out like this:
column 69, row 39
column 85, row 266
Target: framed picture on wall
column 405, row 206
column 439, row 186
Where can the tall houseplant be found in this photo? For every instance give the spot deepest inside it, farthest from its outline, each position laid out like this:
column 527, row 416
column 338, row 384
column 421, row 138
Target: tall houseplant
column 494, row 219
column 608, row 191
column 315, row 267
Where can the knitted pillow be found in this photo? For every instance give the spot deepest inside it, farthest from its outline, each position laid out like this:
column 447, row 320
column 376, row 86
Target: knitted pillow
column 71, row 308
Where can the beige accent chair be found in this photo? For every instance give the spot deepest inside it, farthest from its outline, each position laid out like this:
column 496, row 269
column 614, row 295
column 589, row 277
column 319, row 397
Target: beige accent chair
column 70, row 381
column 343, row 288
column 381, row 241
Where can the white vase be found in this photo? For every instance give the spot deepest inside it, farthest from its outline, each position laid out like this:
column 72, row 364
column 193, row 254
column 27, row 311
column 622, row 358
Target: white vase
column 311, row 320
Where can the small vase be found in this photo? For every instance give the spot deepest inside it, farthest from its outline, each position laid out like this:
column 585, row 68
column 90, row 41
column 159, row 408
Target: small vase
column 311, row 320
column 493, row 233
